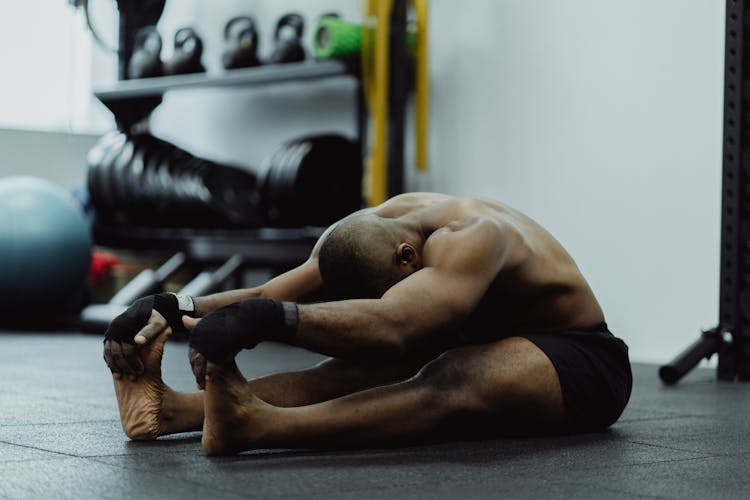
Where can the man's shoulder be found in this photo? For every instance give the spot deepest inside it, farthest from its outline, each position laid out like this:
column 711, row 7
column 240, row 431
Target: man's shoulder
column 475, row 238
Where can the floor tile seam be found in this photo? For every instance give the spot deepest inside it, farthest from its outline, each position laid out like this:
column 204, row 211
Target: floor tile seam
column 664, row 447
column 745, row 454
column 665, row 417
column 101, row 458
column 29, row 447
column 68, row 399
column 651, row 462
column 74, row 422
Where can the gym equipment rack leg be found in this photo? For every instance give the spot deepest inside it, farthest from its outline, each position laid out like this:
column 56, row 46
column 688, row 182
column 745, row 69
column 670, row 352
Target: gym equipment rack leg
column 731, row 338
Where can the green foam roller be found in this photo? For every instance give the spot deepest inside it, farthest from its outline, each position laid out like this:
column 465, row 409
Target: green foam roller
column 335, row 38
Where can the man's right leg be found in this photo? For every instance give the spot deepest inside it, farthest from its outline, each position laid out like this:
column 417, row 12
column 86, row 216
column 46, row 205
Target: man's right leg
column 331, row 379
column 149, row 408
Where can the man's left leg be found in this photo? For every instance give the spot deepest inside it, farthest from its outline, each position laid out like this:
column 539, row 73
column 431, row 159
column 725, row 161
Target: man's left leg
column 506, row 386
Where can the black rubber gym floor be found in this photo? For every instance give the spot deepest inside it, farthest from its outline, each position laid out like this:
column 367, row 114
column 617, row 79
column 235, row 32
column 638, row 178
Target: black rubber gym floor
column 60, row 437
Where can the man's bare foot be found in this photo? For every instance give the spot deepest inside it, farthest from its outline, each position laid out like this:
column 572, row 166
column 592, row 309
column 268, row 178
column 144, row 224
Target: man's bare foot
column 147, row 404
column 231, row 422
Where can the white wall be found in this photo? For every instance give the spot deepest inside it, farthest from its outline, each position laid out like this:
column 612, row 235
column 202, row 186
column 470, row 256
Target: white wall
column 57, row 156
column 602, row 119
column 48, row 116
column 45, row 52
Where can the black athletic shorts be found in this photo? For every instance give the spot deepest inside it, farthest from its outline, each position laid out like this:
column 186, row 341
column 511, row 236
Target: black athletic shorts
column 594, row 372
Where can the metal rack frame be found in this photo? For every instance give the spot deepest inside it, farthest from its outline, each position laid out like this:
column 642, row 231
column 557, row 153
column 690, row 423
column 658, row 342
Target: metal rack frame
column 731, row 338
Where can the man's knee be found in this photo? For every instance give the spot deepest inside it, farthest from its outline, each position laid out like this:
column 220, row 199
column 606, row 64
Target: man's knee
column 447, row 373
column 509, row 377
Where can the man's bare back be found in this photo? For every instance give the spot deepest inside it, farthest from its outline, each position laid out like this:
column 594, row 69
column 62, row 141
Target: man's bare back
column 539, row 287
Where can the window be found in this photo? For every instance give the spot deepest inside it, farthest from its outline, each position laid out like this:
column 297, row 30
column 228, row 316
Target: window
column 46, row 68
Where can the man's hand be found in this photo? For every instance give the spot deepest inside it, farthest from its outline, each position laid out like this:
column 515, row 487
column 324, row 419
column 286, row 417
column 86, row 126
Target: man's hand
column 197, row 360
column 220, row 335
column 142, row 322
column 121, row 355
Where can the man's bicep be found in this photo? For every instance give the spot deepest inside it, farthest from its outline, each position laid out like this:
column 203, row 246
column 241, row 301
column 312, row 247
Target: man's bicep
column 432, row 299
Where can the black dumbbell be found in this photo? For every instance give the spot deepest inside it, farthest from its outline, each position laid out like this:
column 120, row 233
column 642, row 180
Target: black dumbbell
column 146, row 59
column 288, row 40
column 241, row 40
column 188, row 50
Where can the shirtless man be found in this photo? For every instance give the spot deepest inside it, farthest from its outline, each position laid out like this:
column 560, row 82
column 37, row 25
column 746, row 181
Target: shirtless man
column 444, row 318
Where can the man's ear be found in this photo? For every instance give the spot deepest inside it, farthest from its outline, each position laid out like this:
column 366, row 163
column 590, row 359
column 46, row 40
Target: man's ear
column 407, row 255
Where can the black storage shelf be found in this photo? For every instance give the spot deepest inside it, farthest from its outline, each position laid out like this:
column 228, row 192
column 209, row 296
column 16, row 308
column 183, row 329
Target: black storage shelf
column 133, row 100
column 126, row 90
column 257, row 246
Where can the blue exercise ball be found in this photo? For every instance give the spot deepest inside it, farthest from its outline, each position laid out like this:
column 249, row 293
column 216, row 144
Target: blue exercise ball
column 45, row 248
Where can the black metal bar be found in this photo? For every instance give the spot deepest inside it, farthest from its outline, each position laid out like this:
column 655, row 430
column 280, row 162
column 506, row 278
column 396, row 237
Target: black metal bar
column 209, row 281
column 95, row 318
column 735, row 176
column 705, row 347
column 148, row 281
column 398, row 90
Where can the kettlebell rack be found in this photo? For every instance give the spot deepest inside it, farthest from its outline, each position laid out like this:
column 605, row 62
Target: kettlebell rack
column 132, row 100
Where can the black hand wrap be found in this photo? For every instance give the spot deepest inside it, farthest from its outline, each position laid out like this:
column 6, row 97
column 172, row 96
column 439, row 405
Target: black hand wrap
column 124, row 327
column 241, row 325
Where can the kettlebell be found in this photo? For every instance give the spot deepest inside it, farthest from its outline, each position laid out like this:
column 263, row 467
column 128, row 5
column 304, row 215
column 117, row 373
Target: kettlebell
column 146, row 59
column 288, row 39
column 186, row 58
column 241, row 40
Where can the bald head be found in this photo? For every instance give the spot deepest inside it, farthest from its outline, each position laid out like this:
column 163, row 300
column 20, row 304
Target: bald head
column 359, row 259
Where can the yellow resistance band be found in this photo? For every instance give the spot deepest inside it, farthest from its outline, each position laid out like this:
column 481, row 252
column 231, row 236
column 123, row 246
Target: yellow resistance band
column 375, row 68
column 422, row 105
column 375, row 79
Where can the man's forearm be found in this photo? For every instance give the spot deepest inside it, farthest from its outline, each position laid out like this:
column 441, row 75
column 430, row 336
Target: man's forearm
column 352, row 329
column 301, row 284
column 209, row 303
